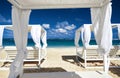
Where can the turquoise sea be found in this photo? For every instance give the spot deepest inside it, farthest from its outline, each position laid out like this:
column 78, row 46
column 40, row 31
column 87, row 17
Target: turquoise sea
column 54, row 43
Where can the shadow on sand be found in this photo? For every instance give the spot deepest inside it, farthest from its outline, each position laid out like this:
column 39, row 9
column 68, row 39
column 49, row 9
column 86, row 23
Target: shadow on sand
column 71, row 59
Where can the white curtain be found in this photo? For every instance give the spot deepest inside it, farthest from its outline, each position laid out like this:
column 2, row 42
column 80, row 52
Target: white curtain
column 101, row 21
column 119, row 32
column 20, row 18
column 86, row 35
column 38, row 33
column 1, row 35
column 95, row 12
column 44, row 38
column 77, row 36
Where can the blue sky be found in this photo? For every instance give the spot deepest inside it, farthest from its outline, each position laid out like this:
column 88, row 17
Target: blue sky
column 59, row 23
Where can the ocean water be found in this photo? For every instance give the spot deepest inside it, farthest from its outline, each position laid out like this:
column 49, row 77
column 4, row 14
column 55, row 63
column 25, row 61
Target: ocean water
column 54, row 43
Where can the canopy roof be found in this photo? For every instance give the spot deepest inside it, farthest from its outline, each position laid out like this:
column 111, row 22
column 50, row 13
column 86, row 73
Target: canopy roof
column 47, row 4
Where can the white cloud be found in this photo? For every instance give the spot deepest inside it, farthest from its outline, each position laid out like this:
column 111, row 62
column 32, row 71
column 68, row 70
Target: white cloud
column 47, row 26
column 4, row 20
column 65, row 25
column 62, row 24
column 61, row 30
column 71, row 27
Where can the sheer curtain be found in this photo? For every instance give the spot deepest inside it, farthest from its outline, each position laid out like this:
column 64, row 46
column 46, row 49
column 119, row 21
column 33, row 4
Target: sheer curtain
column 101, row 20
column 20, row 18
column 119, row 32
column 1, row 35
column 77, row 37
column 86, row 35
column 39, row 34
column 44, row 38
column 36, row 33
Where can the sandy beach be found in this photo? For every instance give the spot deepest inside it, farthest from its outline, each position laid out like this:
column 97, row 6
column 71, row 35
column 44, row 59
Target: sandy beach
column 62, row 59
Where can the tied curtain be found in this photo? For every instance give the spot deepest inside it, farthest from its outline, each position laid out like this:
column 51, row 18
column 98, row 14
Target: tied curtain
column 119, row 32
column 1, row 35
column 38, row 33
column 77, row 36
column 86, row 35
column 85, row 32
column 44, row 38
column 20, row 18
column 101, row 22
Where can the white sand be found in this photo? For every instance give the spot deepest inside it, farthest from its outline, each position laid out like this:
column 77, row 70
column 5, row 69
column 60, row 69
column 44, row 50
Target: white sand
column 61, row 59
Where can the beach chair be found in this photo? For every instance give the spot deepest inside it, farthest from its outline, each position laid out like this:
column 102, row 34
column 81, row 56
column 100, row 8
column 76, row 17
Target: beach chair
column 3, row 56
column 33, row 55
column 114, row 53
column 90, row 54
column 36, row 53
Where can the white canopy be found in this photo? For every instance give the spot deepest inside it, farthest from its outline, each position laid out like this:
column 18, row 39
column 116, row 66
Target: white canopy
column 47, row 4
column 21, row 11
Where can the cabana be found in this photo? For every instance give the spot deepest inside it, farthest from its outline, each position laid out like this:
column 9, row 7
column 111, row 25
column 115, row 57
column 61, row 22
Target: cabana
column 21, row 9
column 89, row 53
column 36, row 53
